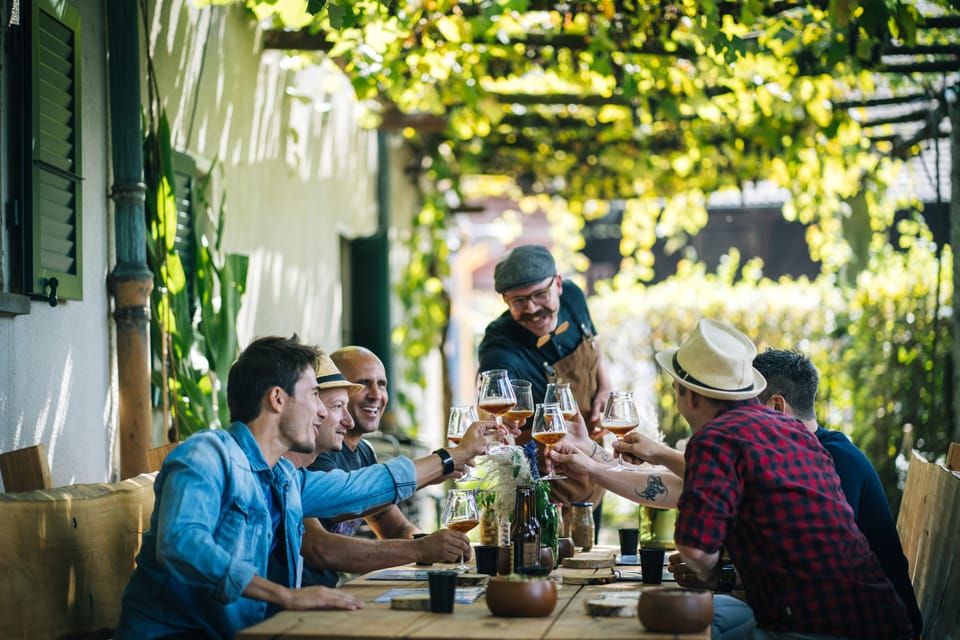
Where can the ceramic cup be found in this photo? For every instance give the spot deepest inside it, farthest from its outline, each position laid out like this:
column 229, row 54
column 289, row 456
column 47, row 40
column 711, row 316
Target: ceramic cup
column 443, row 590
column 651, row 565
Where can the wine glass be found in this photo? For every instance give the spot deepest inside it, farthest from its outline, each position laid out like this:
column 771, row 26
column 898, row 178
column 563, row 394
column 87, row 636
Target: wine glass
column 496, row 394
column 620, row 417
column 523, row 410
column 561, row 393
column 549, row 428
column 461, row 417
column 460, row 514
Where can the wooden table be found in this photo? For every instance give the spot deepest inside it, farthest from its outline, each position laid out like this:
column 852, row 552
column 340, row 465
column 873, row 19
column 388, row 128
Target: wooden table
column 569, row 620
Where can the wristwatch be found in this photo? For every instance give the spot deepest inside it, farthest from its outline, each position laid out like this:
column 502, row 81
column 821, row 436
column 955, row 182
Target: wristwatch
column 728, row 578
column 447, row 460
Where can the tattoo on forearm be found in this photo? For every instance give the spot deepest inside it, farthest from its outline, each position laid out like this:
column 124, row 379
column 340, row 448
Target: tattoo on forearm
column 599, row 453
column 654, row 488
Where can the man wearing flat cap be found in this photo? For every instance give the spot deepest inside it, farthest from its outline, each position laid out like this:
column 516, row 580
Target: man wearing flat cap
column 758, row 484
column 546, row 335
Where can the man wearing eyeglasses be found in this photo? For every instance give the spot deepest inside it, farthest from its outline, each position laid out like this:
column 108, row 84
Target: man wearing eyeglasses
column 545, row 335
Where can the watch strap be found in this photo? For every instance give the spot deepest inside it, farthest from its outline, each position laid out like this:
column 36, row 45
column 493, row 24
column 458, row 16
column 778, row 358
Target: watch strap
column 447, row 460
column 728, row 578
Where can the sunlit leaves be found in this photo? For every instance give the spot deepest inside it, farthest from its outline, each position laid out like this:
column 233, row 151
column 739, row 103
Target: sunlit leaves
column 667, row 103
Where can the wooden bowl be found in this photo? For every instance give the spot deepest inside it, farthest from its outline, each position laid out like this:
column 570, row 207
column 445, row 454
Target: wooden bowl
column 516, row 596
column 672, row 610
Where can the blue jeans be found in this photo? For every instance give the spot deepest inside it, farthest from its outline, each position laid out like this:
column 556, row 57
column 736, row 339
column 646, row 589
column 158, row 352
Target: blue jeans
column 732, row 619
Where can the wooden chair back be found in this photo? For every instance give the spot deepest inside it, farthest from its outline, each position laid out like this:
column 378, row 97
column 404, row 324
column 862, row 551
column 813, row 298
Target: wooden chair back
column 929, row 527
column 25, row 469
column 156, row 455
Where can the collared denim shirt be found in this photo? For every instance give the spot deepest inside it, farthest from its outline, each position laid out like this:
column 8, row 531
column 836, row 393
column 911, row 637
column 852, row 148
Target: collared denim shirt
column 210, row 531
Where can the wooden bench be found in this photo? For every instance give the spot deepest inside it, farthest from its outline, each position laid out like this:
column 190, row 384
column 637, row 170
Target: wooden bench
column 66, row 555
column 929, row 527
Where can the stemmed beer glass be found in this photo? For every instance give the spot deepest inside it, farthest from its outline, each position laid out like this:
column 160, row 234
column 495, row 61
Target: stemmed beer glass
column 620, row 417
column 460, row 514
column 461, row 417
column 496, row 394
column 549, row 428
column 523, row 408
column 561, row 393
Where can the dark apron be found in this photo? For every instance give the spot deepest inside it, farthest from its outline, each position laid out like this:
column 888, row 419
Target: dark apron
column 579, row 368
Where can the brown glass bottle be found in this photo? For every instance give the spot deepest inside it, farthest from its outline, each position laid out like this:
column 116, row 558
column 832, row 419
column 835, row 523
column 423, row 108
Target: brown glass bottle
column 525, row 531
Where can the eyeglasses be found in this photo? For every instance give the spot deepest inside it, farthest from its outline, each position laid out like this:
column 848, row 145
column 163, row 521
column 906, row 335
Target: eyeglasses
column 539, row 297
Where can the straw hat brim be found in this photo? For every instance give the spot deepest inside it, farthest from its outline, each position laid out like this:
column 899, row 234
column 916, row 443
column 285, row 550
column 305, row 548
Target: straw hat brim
column 351, row 387
column 665, row 360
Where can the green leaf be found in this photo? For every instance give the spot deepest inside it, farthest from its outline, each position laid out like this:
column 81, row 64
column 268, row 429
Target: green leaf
column 315, row 6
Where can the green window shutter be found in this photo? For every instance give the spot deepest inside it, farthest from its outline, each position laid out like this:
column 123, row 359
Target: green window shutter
column 55, row 216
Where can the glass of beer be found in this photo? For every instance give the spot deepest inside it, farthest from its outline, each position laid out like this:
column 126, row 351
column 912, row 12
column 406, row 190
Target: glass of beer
column 461, row 417
column 549, row 428
column 620, row 417
column 496, row 394
column 523, row 410
column 561, row 393
column 460, row 514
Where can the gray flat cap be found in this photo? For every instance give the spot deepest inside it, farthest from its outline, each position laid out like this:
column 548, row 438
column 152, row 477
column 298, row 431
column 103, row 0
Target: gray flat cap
column 522, row 266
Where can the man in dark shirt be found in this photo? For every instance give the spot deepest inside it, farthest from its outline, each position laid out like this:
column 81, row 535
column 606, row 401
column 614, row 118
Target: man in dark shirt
column 326, row 552
column 791, row 389
column 545, row 335
column 758, row 484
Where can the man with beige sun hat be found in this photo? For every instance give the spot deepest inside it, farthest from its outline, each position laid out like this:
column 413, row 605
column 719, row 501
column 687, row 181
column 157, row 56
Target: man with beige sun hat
column 760, row 486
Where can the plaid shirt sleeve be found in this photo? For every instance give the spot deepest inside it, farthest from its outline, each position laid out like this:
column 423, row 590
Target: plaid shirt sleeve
column 711, row 492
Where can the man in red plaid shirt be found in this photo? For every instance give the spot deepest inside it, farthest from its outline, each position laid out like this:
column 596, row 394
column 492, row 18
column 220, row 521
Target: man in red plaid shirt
column 760, row 485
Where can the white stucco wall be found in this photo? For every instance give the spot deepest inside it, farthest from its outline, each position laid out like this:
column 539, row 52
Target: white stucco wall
column 55, row 363
column 297, row 170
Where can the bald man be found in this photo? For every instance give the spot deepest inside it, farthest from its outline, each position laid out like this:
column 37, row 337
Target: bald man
column 324, row 553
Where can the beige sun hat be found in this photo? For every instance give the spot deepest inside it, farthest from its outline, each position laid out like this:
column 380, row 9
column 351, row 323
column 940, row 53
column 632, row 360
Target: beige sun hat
column 329, row 377
column 716, row 361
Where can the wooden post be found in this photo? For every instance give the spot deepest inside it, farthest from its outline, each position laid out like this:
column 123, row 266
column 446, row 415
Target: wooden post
column 953, row 102
column 131, row 280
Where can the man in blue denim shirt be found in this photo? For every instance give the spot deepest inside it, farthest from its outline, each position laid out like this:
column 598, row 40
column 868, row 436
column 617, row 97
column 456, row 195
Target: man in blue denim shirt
column 227, row 506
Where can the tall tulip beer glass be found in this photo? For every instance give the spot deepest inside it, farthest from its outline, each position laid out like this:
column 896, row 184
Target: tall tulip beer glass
column 549, row 428
column 523, row 410
column 496, row 394
column 620, row 417
column 461, row 417
column 460, row 514
column 560, row 393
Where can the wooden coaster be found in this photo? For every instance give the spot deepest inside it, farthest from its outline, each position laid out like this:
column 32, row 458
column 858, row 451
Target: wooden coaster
column 621, row 606
column 584, row 561
column 603, row 575
column 414, row 602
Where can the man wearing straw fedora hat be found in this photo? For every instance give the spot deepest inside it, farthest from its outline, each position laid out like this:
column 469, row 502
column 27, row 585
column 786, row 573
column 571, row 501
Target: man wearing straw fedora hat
column 758, row 484
column 223, row 548
column 330, row 548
